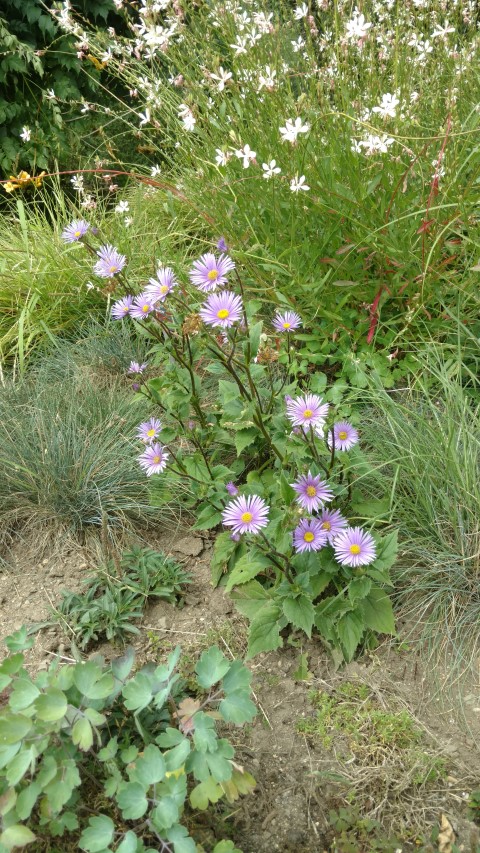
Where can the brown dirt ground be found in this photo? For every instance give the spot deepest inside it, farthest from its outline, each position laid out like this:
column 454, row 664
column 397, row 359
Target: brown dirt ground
column 288, row 810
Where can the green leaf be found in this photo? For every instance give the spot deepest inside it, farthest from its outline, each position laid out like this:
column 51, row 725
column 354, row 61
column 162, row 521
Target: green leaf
column 98, row 834
column 245, row 569
column 204, row 735
column 129, row 844
column 7, row 801
column 300, row 612
column 24, row 692
column 238, row 677
column 82, row 734
column 110, row 750
column 181, row 840
column 149, row 768
column 16, row 836
column 302, row 673
column 26, row 800
column 205, row 793
column 19, row 765
column 19, row 641
column 358, row 588
column 237, row 708
column 102, row 688
column 207, row 518
column 211, row 667
column 122, row 666
column 222, row 551
column 250, row 598
column 264, row 634
column 13, row 728
column 51, row 705
column 350, row 628
column 378, row 611
column 95, row 717
column 254, row 337
column 387, row 549
column 166, row 813
column 137, row 693
column 86, row 675
column 132, row 800
column 244, row 438
column 287, row 492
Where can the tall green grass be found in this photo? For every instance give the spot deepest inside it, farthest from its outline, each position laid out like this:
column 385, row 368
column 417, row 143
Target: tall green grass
column 425, row 439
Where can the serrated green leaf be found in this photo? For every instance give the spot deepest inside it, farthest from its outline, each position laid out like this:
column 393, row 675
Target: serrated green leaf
column 350, row 628
column 207, row 518
column 19, row 641
column 378, row 611
column 204, row 735
column 244, row 438
column 222, row 551
column 300, row 612
column 358, row 588
column 250, row 598
column 264, row 635
column 245, row 569
column 97, row 835
column 387, row 549
column 82, row 734
column 211, row 667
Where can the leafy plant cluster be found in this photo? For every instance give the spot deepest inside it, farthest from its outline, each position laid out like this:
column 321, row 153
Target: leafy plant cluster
column 136, row 742
column 116, row 596
column 223, row 393
column 37, row 58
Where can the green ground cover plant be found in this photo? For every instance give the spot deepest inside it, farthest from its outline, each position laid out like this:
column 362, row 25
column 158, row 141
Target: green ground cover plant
column 136, row 740
column 116, row 596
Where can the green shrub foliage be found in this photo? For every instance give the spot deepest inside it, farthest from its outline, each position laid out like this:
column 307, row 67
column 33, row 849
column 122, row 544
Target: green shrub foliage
column 138, row 742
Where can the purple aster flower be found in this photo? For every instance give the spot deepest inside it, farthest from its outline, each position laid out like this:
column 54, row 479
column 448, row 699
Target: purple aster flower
column 309, row 536
column 231, row 489
column 286, row 322
column 122, row 307
column 308, row 411
column 154, row 459
column 75, row 231
column 111, row 262
column 142, row 306
column 246, row 514
column 222, row 309
column 159, row 288
column 344, row 434
column 332, row 522
column 208, row 273
column 137, row 368
column 312, row 492
column 149, row 430
column 354, row 547
column 222, row 245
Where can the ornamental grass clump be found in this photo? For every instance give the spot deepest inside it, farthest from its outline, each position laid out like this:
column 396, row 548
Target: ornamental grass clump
column 262, row 449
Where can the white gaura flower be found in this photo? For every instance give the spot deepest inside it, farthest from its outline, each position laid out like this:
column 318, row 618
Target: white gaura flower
column 246, row 154
column 186, row 116
column 267, row 79
column 442, row 32
column 298, row 45
column 270, row 169
column 241, row 47
column 297, row 184
column 388, row 106
column 145, row 117
column 292, row 129
column 357, row 26
column 122, row 207
column 221, row 157
column 222, row 77
column 155, row 171
column 301, row 12
column 376, row 144
column 26, row 134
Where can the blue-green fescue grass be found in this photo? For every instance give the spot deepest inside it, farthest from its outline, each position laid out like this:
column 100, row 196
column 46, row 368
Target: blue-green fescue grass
column 68, row 450
column 425, row 440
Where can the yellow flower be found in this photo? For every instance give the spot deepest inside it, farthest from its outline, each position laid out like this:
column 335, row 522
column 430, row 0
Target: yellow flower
column 22, row 180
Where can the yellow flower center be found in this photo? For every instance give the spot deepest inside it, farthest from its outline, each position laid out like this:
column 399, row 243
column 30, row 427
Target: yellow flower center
column 151, row 433
column 246, row 517
column 307, row 413
column 286, row 325
column 145, row 308
column 156, row 459
column 77, row 234
column 126, row 309
column 223, row 313
column 308, row 536
column 163, row 289
column 326, row 525
column 311, row 491
column 212, row 275
column 355, row 549
column 113, row 269
column 342, row 435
